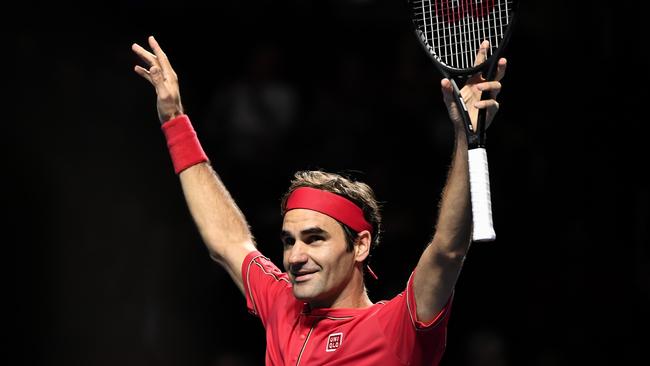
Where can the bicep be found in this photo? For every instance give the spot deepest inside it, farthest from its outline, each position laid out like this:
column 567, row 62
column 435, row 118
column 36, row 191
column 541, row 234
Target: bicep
column 434, row 280
column 232, row 260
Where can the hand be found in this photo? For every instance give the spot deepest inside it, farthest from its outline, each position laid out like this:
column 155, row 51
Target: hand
column 471, row 93
column 162, row 76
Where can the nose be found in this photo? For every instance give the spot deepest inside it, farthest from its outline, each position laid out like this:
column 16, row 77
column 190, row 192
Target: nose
column 297, row 254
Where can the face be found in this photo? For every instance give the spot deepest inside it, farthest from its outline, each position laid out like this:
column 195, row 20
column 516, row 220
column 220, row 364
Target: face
column 315, row 257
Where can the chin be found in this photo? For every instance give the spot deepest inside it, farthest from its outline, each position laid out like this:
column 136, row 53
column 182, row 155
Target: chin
column 303, row 292
column 301, row 295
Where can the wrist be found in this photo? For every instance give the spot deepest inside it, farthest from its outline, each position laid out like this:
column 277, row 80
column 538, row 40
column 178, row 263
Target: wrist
column 460, row 137
column 183, row 143
column 460, row 131
column 171, row 114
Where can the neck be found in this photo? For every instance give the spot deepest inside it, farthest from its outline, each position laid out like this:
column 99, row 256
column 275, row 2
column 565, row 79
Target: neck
column 352, row 302
column 353, row 296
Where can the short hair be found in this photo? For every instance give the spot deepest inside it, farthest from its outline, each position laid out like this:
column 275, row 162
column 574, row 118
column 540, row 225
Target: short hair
column 358, row 192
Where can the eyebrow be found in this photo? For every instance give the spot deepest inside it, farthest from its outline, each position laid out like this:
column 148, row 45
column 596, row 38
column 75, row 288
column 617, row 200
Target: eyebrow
column 309, row 231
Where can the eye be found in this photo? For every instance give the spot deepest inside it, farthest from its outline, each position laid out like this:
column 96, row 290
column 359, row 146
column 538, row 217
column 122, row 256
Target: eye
column 314, row 239
column 288, row 241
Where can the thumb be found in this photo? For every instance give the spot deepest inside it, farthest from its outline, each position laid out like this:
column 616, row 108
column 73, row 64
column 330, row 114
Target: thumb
column 447, row 90
column 453, row 109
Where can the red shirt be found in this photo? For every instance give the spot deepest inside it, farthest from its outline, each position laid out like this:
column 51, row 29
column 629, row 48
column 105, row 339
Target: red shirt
column 386, row 333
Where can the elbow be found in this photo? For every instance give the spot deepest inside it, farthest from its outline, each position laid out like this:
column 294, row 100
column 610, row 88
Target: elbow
column 220, row 243
column 450, row 251
column 455, row 257
column 215, row 256
column 223, row 252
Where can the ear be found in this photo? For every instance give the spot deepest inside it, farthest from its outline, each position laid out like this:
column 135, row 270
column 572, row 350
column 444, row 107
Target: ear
column 362, row 246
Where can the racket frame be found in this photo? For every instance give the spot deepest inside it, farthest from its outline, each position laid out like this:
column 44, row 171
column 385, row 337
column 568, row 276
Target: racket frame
column 478, row 167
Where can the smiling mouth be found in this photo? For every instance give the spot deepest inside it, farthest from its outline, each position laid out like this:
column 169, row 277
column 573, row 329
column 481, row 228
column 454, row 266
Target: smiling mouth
column 303, row 277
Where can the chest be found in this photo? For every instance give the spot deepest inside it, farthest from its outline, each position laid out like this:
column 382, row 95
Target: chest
column 322, row 340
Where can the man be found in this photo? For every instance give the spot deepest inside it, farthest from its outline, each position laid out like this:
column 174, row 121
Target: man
column 318, row 311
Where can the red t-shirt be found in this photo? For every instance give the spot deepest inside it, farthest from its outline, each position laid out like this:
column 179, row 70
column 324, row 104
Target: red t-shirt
column 386, row 333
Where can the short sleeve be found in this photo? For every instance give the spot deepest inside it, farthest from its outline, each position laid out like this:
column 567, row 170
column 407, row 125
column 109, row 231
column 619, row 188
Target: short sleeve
column 264, row 284
column 414, row 342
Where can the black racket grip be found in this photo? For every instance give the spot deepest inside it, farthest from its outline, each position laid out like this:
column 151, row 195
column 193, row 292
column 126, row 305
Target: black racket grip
column 481, row 123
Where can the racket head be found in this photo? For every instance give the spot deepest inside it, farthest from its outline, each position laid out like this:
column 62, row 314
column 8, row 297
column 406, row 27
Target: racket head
column 451, row 32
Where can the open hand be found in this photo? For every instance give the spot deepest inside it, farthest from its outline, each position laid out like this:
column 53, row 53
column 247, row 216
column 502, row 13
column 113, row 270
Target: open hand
column 162, row 76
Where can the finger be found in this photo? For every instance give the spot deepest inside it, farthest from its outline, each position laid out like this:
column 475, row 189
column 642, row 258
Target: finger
column 494, row 87
column 481, row 56
column 490, row 104
column 447, row 90
column 145, row 55
column 501, row 68
column 161, row 56
column 143, row 72
column 449, row 98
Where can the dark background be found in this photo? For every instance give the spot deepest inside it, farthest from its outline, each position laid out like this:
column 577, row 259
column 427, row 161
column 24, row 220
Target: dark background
column 105, row 267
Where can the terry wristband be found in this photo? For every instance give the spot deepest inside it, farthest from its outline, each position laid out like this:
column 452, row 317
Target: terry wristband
column 184, row 147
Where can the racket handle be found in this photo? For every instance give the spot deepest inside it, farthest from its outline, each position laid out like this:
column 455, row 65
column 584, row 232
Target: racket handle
column 479, row 182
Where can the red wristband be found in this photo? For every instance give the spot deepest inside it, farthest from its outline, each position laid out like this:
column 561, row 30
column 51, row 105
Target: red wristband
column 184, row 147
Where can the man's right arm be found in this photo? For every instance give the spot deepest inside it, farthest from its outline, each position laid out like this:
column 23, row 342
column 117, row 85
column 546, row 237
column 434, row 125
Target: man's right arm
column 220, row 222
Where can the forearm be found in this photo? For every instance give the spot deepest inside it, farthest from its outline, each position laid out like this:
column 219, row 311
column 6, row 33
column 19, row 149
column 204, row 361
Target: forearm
column 453, row 228
column 220, row 222
column 218, row 218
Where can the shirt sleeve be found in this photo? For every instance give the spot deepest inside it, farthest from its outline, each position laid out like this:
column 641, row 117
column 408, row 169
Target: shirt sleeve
column 414, row 341
column 264, row 284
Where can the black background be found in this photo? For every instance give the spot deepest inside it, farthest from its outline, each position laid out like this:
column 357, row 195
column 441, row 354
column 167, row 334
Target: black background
column 105, row 267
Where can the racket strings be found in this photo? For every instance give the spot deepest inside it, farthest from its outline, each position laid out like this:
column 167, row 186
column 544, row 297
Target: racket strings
column 455, row 29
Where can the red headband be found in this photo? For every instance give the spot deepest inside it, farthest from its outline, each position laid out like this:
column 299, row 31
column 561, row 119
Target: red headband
column 330, row 204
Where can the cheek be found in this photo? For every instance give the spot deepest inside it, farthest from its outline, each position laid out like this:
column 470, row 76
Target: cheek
column 341, row 263
column 285, row 260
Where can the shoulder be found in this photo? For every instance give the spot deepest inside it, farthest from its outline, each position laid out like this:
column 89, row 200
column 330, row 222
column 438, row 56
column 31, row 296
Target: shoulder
column 257, row 262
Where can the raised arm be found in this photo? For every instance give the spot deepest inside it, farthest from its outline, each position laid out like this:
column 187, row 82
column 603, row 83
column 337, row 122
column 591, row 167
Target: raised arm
column 440, row 264
column 222, row 226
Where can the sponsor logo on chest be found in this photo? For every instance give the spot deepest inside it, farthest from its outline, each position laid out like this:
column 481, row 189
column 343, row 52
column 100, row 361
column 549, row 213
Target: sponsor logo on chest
column 334, row 341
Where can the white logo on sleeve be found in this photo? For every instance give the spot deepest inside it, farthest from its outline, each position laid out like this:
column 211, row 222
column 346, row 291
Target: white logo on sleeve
column 334, row 342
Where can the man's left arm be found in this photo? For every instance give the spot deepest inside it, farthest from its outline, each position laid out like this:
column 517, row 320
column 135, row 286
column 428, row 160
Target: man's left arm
column 440, row 264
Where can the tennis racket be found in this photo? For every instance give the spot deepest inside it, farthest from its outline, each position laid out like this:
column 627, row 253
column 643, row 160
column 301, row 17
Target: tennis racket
column 451, row 32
